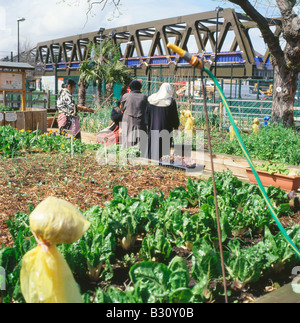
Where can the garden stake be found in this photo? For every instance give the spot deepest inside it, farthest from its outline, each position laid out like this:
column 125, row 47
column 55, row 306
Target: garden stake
column 105, row 147
column 72, row 145
column 54, row 118
column 214, row 185
column 70, row 132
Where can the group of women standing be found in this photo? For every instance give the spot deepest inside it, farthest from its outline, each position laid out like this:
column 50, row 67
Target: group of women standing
column 153, row 117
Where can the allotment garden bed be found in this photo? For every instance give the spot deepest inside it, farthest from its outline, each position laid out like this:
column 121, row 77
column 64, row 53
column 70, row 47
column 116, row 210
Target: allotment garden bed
column 170, row 253
column 153, row 234
column 272, row 143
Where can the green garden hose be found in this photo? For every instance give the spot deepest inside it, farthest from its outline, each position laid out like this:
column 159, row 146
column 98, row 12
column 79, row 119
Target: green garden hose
column 194, row 61
column 246, row 154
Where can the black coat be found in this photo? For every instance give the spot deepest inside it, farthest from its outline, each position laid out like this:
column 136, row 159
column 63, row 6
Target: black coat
column 116, row 115
column 134, row 105
column 159, row 119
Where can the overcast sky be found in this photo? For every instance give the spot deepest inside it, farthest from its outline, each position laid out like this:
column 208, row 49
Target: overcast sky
column 51, row 19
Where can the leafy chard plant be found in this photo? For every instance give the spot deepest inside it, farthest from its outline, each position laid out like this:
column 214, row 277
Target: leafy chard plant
column 154, row 282
column 163, row 223
column 10, row 257
column 156, row 246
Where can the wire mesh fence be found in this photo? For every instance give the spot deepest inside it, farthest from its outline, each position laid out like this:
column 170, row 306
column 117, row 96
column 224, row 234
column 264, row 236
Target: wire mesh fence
column 247, row 98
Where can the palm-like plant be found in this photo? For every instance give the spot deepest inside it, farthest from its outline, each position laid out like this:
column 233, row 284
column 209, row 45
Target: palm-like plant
column 115, row 72
column 86, row 76
column 110, row 68
column 104, row 65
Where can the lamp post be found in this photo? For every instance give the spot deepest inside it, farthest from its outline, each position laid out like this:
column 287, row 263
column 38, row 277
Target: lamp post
column 56, row 80
column 112, row 34
column 100, row 33
column 218, row 10
column 19, row 20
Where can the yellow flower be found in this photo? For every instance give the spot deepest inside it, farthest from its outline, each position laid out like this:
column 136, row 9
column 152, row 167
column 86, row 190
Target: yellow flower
column 43, row 135
column 29, row 131
column 22, row 130
column 63, row 146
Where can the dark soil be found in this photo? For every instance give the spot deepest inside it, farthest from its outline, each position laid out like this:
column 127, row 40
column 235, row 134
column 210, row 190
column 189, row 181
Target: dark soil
column 81, row 181
column 288, row 221
column 25, row 182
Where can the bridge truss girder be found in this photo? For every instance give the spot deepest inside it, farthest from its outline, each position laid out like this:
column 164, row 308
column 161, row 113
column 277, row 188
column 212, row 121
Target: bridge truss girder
column 147, row 40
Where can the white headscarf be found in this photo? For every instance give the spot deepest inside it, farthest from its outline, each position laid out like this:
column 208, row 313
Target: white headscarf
column 163, row 97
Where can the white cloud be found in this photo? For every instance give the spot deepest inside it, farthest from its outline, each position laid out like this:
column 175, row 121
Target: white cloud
column 43, row 22
column 58, row 20
column 135, row 12
column 52, row 19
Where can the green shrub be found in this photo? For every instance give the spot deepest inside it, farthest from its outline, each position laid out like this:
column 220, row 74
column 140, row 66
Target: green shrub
column 274, row 142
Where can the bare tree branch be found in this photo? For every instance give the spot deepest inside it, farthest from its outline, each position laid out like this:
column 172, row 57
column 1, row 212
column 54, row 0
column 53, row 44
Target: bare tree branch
column 270, row 39
column 91, row 4
column 104, row 4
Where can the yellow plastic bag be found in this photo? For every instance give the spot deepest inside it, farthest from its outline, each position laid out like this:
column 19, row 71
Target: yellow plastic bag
column 45, row 275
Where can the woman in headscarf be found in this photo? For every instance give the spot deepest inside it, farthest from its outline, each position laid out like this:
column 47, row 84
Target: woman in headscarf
column 134, row 105
column 68, row 119
column 162, row 120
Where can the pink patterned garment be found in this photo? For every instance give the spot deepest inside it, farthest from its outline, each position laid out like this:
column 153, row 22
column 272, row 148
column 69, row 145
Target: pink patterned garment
column 62, row 120
column 75, row 127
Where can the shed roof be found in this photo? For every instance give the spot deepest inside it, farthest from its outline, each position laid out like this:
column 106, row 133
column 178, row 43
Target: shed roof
column 15, row 65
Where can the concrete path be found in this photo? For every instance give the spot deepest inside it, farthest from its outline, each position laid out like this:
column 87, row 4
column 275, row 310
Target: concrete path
column 284, row 294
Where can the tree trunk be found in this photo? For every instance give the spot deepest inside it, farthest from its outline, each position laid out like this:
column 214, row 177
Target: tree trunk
column 285, row 62
column 125, row 86
column 81, row 93
column 109, row 92
column 284, row 90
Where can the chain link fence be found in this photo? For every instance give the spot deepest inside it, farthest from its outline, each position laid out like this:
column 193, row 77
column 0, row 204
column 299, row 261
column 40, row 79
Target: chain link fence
column 247, row 99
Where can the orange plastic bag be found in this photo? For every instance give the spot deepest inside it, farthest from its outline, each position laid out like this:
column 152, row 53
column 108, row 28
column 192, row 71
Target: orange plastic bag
column 45, row 275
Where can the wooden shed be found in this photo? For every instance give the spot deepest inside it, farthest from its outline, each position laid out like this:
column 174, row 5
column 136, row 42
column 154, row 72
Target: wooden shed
column 13, row 79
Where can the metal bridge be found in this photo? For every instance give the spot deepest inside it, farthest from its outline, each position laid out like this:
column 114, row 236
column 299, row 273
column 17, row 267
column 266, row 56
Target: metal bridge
column 144, row 46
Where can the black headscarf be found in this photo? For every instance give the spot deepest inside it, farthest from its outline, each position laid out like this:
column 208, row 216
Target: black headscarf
column 135, row 85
